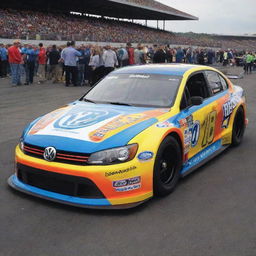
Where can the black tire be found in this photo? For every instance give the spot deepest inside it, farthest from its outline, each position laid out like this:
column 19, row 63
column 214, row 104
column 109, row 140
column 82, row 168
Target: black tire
column 167, row 167
column 238, row 127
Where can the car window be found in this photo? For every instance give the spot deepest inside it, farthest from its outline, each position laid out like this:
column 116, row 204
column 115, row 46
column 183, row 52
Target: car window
column 195, row 86
column 154, row 90
column 223, row 82
column 214, row 81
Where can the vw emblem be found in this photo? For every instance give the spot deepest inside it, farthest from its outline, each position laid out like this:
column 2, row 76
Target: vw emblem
column 50, row 153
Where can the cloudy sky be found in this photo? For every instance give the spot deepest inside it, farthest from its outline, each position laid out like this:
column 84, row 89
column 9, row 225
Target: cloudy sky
column 236, row 17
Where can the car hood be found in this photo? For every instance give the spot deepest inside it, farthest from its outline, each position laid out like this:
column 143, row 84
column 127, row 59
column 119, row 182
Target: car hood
column 87, row 127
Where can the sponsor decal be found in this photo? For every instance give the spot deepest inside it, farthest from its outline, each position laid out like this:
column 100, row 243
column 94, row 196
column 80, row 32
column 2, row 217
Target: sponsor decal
column 204, row 154
column 128, row 188
column 139, row 76
column 228, row 109
column 123, row 121
column 186, row 122
column 115, row 124
column 191, row 136
column 187, row 140
column 165, row 124
column 46, row 120
column 126, row 182
column 83, row 119
column 107, row 174
column 145, row 156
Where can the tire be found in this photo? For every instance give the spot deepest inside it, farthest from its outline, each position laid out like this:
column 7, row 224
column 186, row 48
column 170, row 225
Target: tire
column 238, row 127
column 167, row 167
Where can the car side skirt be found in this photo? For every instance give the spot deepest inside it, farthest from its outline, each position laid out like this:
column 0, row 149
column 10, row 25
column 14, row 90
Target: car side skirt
column 203, row 157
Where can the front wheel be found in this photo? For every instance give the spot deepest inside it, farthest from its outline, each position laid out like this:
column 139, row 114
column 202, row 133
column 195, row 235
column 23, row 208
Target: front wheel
column 167, row 166
column 238, row 127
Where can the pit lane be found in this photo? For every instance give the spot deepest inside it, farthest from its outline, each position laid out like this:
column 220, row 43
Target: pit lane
column 212, row 211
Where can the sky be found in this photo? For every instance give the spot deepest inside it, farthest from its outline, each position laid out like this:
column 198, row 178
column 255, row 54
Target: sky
column 231, row 17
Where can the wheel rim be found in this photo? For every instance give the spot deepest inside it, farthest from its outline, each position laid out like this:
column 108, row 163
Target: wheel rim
column 167, row 166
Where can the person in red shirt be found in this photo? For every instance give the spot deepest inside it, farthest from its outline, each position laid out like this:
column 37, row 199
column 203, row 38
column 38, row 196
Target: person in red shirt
column 42, row 63
column 15, row 60
column 130, row 51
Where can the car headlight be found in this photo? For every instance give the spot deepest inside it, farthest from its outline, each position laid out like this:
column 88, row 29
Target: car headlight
column 21, row 144
column 114, row 156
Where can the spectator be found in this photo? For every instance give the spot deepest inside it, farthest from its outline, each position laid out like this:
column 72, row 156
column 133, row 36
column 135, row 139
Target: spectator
column 110, row 60
column 179, row 55
column 42, row 63
column 15, row 61
column 97, row 66
column 123, row 57
column 31, row 57
column 160, row 55
column 3, row 61
column 139, row 55
column 69, row 56
column 201, row 57
column 130, row 51
column 54, row 57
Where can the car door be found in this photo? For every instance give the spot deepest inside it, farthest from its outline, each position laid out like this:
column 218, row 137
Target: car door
column 198, row 122
column 221, row 96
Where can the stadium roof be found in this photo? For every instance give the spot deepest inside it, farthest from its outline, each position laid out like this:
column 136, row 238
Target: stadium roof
column 126, row 9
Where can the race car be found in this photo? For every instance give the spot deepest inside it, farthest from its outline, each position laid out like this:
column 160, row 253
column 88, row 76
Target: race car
column 131, row 137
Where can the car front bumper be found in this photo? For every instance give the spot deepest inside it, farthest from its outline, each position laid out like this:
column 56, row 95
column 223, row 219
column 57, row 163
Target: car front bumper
column 113, row 197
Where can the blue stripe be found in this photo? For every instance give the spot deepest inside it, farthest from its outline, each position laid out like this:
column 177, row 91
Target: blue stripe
column 201, row 156
column 74, row 145
column 51, row 195
column 187, row 112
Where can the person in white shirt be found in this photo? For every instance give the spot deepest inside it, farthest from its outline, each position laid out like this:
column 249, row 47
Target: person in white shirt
column 110, row 60
column 97, row 66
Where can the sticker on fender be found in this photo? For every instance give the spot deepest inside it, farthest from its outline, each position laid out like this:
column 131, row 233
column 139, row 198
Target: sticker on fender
column 127, row 184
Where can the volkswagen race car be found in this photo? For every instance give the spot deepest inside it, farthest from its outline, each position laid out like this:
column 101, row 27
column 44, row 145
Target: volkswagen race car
column 131, row 136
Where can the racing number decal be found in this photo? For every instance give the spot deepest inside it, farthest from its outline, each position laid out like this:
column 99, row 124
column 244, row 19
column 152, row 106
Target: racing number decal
column 195, row 131
column 209, row 128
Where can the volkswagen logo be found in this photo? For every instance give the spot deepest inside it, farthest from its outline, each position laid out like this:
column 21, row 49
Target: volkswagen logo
column 50, row 153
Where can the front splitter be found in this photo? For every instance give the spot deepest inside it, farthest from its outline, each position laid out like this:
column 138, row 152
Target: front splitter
column 15, row 183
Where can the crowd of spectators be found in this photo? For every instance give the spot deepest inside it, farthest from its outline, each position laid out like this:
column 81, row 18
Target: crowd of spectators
column 87, row 64
column 31, row 25
column 57, row 26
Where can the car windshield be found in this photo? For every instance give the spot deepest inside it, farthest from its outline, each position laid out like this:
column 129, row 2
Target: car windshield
column 153, row 90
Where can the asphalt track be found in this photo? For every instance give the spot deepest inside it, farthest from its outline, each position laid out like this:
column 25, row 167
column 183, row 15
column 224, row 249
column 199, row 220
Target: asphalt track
column 211, row 213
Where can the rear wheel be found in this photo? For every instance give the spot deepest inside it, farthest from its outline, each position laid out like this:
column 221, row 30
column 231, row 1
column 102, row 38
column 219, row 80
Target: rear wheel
column 167, row 166
column 238, row 127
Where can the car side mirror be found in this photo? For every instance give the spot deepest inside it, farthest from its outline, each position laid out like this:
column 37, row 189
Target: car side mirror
column 196, row 100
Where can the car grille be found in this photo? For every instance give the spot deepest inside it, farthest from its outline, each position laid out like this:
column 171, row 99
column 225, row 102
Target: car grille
column 62, row 156
column 58, row 183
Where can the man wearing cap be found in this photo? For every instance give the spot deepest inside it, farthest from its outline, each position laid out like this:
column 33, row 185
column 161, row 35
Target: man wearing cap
column 15, row 60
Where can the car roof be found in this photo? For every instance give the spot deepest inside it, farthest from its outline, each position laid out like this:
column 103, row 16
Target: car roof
column 162, row 69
